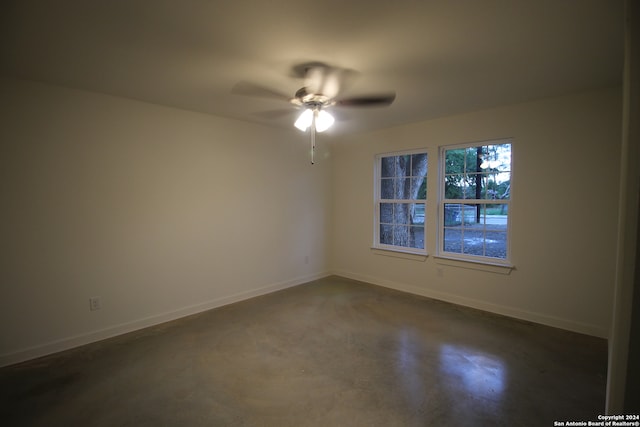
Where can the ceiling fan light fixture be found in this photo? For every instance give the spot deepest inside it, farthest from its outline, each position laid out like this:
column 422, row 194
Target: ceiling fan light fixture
column 324, row 121
column 305, row 120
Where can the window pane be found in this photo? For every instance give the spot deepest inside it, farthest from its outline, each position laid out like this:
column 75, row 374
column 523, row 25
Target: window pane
column 401, row 235
column 452, row 214
column 471, row 184
column 452, row 240
column 388, row 167
column 417, row 213
column 496, row 244
column 476, row 242
column 454, row 161
column 386, row 188
column 454, row 187
column 489, row 186
column 494, row 217
column 497, row 158
column 419, row 165
column 503, row 185
column 485, row 186
column 401, row 213
column 403, row 188
column 419, row 188
column 417, row 237
column 456, row 214
column 386, row 213
column 473, row 242
column 386, row 234
column 403, row 166
column 477, row 186
column 468, row 214
column 473, row 159
column 496, row 185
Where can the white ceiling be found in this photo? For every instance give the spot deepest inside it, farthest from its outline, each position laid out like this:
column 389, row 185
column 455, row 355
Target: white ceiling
column 441, row 57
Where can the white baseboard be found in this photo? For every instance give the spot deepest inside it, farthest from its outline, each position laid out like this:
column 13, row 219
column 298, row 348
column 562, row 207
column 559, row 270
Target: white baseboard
column 514, row 312
column 115, row 330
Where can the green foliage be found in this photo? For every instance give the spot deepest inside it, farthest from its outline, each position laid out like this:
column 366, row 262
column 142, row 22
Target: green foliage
column 422, row 192
column 471, row 172
column 455, row 167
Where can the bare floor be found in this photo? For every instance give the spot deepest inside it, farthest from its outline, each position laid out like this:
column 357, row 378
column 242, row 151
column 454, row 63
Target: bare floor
column 333, row 352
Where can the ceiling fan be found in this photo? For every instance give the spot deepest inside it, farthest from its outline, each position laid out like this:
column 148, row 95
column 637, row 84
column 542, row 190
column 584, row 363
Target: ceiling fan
column 323, row 84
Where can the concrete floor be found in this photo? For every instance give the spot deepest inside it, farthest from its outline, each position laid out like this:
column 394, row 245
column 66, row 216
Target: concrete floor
column 333, row 352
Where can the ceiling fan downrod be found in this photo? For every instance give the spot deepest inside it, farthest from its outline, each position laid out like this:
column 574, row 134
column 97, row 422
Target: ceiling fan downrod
column 313, row 137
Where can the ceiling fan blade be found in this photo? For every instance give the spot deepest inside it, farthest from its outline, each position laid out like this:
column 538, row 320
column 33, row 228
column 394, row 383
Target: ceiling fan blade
column 367, row 101
column 335, row 80
column 315, row 78
column 321, row 78
column 252, row 89
column 300, row 71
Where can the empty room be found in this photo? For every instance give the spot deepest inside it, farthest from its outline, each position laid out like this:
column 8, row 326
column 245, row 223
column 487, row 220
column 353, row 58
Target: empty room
column 297, row 213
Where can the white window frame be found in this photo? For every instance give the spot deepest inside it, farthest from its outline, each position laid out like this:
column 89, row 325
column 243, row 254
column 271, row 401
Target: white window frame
column 378, row 200
column 481, row 259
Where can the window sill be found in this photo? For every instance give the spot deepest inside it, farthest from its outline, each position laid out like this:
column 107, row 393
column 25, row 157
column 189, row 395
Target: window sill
column 400, row 254
column 475, row 265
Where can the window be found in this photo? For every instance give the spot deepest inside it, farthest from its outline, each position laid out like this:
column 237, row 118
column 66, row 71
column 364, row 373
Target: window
column 400, row 199
column 474, row 203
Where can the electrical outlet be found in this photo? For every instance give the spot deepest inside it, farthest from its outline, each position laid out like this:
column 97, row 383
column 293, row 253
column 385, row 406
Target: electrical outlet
column 306, row 259
column 94, row 304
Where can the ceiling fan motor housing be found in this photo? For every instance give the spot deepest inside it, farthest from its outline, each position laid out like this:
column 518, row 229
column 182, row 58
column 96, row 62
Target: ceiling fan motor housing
column 311, row 100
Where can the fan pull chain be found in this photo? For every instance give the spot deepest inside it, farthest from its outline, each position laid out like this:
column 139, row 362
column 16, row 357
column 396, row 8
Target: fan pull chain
column 313, row 138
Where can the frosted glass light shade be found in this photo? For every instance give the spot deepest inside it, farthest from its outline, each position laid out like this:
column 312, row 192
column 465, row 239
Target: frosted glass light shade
column 305, row 120
column 324, row 121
